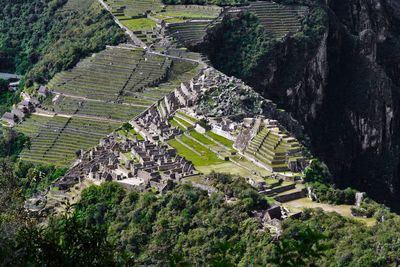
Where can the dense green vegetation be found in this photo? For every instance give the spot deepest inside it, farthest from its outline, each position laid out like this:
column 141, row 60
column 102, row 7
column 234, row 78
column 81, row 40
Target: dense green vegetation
column 187, row 227
column 41, row 38
column 36, row 178
column 317, row 177
column 253, row 50
column 247, row 42
column 183, row 227
column 11, row 142
column 7, row 98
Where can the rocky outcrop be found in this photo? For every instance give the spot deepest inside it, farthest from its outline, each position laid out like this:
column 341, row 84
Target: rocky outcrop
column 345, row 91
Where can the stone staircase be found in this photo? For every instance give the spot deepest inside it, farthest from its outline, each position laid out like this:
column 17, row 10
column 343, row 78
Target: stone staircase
column 284, row 192
column 273, row 148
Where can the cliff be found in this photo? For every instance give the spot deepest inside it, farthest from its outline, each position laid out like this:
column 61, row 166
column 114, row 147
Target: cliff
column 344, row 89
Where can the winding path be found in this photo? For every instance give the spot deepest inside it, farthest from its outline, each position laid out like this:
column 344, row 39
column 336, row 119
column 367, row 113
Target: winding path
column 133, row 37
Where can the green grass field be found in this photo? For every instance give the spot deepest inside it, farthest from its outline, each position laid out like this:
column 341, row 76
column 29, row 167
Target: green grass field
column 207, row 157
column 175, row 124
column 189, row 118
column 139, row 24
column 185, row 123
column 201, row 138
column 220, row 139
column 131, row 134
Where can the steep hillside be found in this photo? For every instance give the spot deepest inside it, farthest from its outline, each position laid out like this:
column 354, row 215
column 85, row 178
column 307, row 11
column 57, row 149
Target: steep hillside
column 338, row 76
column 42, row 38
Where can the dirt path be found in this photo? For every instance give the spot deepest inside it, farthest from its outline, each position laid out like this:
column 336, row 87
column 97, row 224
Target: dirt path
column 133, row 37
column 98, row 100
column 52, row 114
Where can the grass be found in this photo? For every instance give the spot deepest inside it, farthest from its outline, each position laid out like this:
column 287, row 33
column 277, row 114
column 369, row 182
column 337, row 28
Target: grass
column 175, row 124
column 227, row 167
column 185, row 123
column 206, row 158
column 199, row 179
column 139, row 24
column 344, row 210
column 177, row 17
column 189, row 118
column 220, row 139
column 130, row 134
column 200, row 137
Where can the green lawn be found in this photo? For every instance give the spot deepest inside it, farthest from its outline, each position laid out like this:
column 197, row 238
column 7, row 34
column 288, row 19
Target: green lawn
column 139, row 24
column 207, row 157
column 187, row 124
column 175, row 124
column 220, row 139
column 201, row 138
column 130, row 134
column 189, row 118
column 185, row 15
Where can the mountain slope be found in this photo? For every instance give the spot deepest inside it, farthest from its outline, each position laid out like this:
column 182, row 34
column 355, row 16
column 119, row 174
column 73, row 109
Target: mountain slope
column 338, row 76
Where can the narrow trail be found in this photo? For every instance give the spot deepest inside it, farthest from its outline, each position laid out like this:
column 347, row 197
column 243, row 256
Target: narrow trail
column 133, row 37
column 52, row 114
column 99, row 101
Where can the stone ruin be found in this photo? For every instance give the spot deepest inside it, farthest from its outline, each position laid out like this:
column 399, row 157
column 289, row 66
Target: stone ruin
column 116, row 158
column 264, row 142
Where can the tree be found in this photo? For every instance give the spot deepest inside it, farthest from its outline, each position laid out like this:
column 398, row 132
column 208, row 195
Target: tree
column 302, row 248
column 126, row 126
column 3, row 85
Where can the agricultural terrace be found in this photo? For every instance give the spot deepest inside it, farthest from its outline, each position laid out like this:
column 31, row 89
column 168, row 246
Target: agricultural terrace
column 142, row 17
column 277, row 19
column 199, row 148
column 94, row 98
column 55, row 140
column 187, row 25
column 274, row 149
column 184, row 13
column 133, row 14
column 113, row 74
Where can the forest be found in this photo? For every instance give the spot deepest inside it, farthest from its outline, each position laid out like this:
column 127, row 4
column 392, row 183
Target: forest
column 187, row 227
column 41, row 38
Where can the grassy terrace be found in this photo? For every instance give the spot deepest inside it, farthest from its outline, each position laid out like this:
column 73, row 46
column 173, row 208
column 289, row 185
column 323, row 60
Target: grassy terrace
column 123, row 112
column 174, row 123
column 55, row 140
column 180, row 13
column 133, row 8
column 273, row 147
column 187, row 117
column 200, row 137
column 189, row 33
column 131, row 134
column 132, row 70
column 183, row 122
column 226, row 142
column 279, row 20
column 205, row 157
column 139, row 24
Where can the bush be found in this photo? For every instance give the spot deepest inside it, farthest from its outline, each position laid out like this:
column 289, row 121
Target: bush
column 316, row 175
column 327, row 194
column 370, row 209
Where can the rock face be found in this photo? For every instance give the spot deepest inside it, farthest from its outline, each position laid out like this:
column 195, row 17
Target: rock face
column 348, row 98
column 345, row 91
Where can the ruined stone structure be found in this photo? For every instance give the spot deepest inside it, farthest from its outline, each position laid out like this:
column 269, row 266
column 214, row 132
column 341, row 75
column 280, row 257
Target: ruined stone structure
column 24, row 108
column 117, row 158
column 266, row 144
